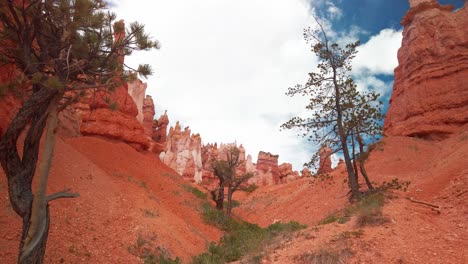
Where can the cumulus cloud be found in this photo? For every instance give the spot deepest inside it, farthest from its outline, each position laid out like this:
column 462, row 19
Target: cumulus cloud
column 334, row 12
column 224, row 67
column 379, row 54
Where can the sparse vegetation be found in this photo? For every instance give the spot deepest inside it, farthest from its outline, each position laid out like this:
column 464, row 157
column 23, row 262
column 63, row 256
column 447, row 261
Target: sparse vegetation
column 334, row 217
column 149, row 213
column 349, row 234
column 241, row 238
column 195, row 191
column 369, row 210
column 250, row 188
column 325, row 256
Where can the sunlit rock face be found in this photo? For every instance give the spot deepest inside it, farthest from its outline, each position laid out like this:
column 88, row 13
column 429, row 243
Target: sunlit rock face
column 137, row 90
column 112, row 115
column 325, row 163
column 430, row 93
column 183, row 153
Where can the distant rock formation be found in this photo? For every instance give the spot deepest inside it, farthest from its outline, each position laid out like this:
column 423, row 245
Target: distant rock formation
column 183, row 153
column 325, row 163
column 267, row 170
column 430, row 93
column 148, row 116
column 287, row 174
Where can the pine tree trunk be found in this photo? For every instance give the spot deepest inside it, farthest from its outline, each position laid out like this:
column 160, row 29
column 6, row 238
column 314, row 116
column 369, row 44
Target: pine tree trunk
column 361, row 162
column 352, row 181
column 36, row 254
column 220, row 198
column 229, row 201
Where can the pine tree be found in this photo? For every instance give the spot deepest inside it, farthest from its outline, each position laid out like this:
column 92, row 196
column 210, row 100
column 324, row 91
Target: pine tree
column 226, row 169
column 339, row 113
column 61, row 49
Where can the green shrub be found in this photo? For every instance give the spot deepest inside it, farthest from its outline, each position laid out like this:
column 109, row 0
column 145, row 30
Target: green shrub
column 369, row 209
column 195, row 191
column 240, row 238
column 334, row 217
column 251, row 188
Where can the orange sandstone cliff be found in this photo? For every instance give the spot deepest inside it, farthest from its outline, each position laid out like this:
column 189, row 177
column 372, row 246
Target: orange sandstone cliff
column 430, row 93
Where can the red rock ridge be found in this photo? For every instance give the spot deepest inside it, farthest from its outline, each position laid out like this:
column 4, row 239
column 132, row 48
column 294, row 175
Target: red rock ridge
column 430, row 93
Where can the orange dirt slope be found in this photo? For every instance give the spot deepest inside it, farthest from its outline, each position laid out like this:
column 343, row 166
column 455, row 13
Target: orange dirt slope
column 129, row 202
column 414, row 233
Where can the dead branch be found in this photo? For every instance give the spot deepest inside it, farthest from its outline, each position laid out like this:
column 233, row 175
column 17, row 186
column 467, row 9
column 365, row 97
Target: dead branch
column 63, row 194
column 436, row 207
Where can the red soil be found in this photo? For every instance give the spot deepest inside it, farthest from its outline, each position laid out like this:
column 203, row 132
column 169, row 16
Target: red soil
column 124, row 195
column 127, row 194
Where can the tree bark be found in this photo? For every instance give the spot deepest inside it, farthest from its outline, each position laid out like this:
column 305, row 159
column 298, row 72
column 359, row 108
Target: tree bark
column 33, row 244
column 229, row 200
column 352, row 181
column 220, row 199
column 361, row 162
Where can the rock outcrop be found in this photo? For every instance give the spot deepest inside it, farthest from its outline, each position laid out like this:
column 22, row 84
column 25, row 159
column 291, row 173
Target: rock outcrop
column 148, row 116
column 137, row 90
column 286, row 173
column 430, row 93
column 325, row 163
column 267, row 170
column 183, row 153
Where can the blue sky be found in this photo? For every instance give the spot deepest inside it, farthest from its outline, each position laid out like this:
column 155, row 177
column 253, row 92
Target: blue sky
column 225, row 65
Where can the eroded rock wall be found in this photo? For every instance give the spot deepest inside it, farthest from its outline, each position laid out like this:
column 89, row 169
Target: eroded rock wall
column 430, row 93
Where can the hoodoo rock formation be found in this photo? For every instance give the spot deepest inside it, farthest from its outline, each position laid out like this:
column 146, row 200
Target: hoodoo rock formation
column 430, row 93
column 183, row 153
column 287, row 174
column 148, row 116
column 267, row 170
column 325, row 163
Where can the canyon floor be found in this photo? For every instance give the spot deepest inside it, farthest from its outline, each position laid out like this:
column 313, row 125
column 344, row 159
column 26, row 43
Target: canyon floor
column 129, row 197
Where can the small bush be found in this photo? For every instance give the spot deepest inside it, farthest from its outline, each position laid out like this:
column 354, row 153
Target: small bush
column 195, row 191
column 153, row 259
column 349, row 234
column 213, row 216
column 334, row 217
column 369, row 209
column 251, row 188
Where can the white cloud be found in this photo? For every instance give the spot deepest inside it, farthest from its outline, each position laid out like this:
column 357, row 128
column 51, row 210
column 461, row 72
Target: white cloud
column 224, row 67
column 369, row 82
column 379, row 54
column 334, row 13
